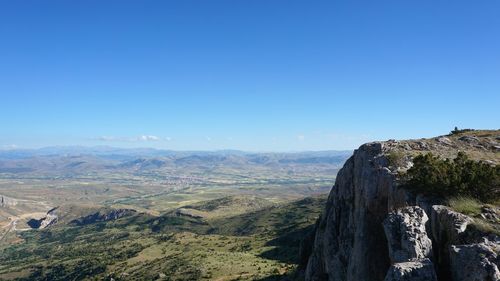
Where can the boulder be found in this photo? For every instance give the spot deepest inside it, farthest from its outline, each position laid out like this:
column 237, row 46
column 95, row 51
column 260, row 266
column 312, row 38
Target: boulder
column 475, row 262
column 447, row 225
column 490, row 213
column 406, row 235
column 416, row 270
column 444, row 140
column 469, row 139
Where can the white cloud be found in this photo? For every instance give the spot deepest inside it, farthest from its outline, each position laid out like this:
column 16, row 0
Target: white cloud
column 129, row 139
column 168, row 138
column 301, row 137
column 107, row 138
column 209, row 138
column 9, row 147
column 148, row 138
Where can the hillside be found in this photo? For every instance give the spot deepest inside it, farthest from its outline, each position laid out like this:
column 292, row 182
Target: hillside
column 225, row 207
column 258, row 245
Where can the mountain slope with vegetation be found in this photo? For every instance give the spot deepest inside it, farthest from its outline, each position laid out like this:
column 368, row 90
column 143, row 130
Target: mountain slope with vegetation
column 259, row 245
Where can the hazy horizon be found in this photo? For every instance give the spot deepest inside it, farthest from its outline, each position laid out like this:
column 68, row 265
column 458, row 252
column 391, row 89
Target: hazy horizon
column 107, row 147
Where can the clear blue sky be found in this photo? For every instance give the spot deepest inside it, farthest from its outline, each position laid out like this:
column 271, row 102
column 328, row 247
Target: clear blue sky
column 245, row 74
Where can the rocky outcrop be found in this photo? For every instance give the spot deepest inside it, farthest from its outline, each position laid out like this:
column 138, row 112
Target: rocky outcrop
column 55, row 216
column 188, row 213
column 447, row 228
column 350, row 243
column 51, row 218
column 475, row 262
column 102, row 216
column 373, row 230
column 447, row 225
column 418, row 270
column 409, row 246
column 406, row 235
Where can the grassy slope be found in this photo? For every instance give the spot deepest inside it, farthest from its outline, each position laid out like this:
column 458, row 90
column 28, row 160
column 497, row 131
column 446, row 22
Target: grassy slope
column 250, row 246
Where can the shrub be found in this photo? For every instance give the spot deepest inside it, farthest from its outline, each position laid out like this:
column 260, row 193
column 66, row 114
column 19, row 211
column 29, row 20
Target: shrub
column 457, row 131
column 396, row 158
column 432, row 175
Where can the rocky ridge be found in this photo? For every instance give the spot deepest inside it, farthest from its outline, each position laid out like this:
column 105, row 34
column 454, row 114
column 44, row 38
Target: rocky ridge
column 102, row 216
column 374, row 230
column 67, row 215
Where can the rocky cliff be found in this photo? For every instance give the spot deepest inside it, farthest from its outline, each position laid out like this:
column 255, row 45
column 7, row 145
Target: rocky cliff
column 372, row 229
column 78, row 215
column 102, row 216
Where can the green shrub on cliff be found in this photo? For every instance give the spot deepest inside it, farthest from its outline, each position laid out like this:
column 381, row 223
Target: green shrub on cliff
column 447, row 178
column 396, row 158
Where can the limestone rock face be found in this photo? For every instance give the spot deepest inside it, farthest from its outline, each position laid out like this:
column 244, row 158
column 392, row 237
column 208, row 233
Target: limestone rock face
column 417, row 270
column 475, row 262
column 374, row 230
column 406, row 235
column 350, row 243
column 51, row 218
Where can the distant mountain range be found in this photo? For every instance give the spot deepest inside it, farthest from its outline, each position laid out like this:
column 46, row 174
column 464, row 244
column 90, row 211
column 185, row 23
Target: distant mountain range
column 114, row 151
column 78, row 160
